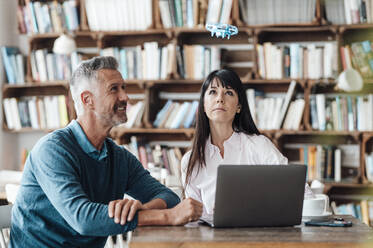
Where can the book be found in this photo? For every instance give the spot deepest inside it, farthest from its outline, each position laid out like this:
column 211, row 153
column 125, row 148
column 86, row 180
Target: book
column 337, row 165
column 9, row 59
column 286, row 103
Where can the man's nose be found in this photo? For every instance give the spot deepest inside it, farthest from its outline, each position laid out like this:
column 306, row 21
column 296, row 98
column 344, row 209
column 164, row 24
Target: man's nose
column 123, row 96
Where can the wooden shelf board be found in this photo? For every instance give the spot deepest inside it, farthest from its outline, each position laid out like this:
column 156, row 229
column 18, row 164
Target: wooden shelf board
column 351, row 197
column 132, row 32
column 322, row 133
column 36, row 85
column 272, row 81
column 346, row 185
column 43, row 36
column 153, row 130
column 294, row 28
column 28, row 130
column 356, row 26
column 163, row 81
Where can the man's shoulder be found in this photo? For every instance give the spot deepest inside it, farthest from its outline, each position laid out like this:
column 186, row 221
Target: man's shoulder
column 60, row 137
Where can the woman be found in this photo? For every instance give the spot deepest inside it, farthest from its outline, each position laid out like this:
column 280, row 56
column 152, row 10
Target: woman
column 225, row 134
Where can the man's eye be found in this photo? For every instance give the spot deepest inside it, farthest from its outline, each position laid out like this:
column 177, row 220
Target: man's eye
column 114, row 88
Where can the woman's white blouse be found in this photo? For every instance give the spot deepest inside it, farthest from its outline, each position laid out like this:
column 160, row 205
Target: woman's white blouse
column 239, row 149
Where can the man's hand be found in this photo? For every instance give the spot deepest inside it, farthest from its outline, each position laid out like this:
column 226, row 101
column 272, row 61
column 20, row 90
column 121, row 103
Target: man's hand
column 186, row 211
column 123, row 210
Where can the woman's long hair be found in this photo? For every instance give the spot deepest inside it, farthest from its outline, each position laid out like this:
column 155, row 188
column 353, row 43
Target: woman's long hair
column 243, row 122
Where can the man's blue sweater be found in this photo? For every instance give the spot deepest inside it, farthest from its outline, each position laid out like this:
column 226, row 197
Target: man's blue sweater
column 67, row 185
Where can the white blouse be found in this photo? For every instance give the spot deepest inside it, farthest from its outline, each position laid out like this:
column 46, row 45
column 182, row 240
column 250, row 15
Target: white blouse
column 239, row 149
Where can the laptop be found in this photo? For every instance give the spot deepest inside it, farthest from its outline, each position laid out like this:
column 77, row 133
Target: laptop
column 258, row 196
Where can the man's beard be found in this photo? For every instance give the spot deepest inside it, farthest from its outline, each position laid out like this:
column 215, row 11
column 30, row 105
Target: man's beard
column 111, row 119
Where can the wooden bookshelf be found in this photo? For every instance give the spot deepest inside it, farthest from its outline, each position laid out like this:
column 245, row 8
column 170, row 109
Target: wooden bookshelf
column 316, row 30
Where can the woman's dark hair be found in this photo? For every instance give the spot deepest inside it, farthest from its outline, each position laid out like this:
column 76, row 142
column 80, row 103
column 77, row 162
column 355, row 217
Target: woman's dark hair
column 243, row 122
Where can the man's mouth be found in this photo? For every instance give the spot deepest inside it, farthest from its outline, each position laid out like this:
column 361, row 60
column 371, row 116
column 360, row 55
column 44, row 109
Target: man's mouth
column 123, row 108
column 120, row 107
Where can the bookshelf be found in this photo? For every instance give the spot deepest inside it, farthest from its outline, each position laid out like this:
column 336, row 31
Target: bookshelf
column 238, row 53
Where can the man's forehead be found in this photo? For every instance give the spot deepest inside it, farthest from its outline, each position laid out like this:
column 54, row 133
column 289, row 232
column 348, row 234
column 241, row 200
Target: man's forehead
column 110, row 75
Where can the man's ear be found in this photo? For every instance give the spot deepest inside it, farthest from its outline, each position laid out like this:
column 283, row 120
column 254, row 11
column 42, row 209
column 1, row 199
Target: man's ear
column 87, row 99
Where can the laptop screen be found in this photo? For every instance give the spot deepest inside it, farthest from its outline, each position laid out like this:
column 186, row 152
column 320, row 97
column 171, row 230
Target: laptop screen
column 259, row 195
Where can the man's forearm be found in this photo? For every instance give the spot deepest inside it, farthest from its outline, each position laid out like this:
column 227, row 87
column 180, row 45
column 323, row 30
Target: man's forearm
column 155, row 204
column 154, row 217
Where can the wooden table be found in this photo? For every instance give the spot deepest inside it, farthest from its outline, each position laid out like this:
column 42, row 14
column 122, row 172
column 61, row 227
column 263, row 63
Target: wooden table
column 194, row 235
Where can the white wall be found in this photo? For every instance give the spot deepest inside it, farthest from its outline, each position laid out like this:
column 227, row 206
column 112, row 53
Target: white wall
column 11, row 144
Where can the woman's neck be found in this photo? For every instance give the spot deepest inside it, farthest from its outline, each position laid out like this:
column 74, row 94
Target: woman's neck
column 219, row 134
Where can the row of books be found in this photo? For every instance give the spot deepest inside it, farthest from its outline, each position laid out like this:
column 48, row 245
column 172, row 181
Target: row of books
column 341, row 112
column 115, row 15
column 151, row 62
column 349, row 11
column 191, row 13
column 326, row 162
column 14, row 64
column 362, row 210
column 154, row 62
column 267, row 12
column 48, row 112
column 163, row 161
column 135, row 113
column 269, row 113
column 266, row 109
column 369, row 166
column 197, row 61
column 219, row 11
column 176, row 115
column 47, row 66
column 358, row 55
column 200, row 60
column 297, row 60
column 45, row 17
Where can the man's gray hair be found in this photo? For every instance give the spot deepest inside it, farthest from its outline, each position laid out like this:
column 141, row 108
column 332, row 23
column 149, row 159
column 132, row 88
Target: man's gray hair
column 85, row 77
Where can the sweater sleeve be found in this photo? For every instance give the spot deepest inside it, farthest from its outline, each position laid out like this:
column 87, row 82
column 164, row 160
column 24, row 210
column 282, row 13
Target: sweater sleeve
column 53, row 168
column 142, row 186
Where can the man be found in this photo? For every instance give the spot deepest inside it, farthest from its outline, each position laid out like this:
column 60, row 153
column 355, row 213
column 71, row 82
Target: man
column 75, row 178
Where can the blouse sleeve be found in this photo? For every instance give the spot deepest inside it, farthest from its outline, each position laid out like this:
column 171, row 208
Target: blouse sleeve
column 270, row 154
column 190, row 189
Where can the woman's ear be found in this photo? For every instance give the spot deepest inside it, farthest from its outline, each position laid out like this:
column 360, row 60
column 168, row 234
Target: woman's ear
column 239, row 108
column 87, row 99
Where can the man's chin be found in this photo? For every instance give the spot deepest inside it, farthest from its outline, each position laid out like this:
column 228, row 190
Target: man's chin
column 119, row 122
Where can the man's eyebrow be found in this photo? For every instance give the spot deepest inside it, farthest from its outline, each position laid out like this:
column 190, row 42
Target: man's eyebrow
column 116, row 84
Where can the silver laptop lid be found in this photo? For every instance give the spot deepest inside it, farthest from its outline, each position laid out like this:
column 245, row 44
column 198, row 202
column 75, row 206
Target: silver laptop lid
column 259, row 195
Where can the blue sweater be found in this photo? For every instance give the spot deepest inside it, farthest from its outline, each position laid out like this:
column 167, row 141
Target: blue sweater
column 67, row 185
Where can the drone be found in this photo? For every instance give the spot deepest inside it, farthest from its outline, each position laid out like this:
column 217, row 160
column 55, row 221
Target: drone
column 222, row 30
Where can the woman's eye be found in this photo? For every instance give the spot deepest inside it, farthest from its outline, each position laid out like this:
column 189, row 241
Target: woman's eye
column 212, row 92
column 229, row 93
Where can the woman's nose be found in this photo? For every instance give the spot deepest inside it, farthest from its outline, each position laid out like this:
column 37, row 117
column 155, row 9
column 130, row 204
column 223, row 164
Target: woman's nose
column 220, row 98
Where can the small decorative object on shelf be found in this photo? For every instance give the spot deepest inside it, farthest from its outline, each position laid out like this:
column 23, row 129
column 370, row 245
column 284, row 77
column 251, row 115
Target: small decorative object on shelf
column 222, row 30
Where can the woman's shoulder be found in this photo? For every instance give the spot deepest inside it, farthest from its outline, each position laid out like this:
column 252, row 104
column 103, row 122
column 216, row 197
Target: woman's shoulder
column 255, row 139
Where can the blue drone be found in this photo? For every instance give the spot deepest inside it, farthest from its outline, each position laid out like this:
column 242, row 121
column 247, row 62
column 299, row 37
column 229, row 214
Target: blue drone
column 221, row 30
